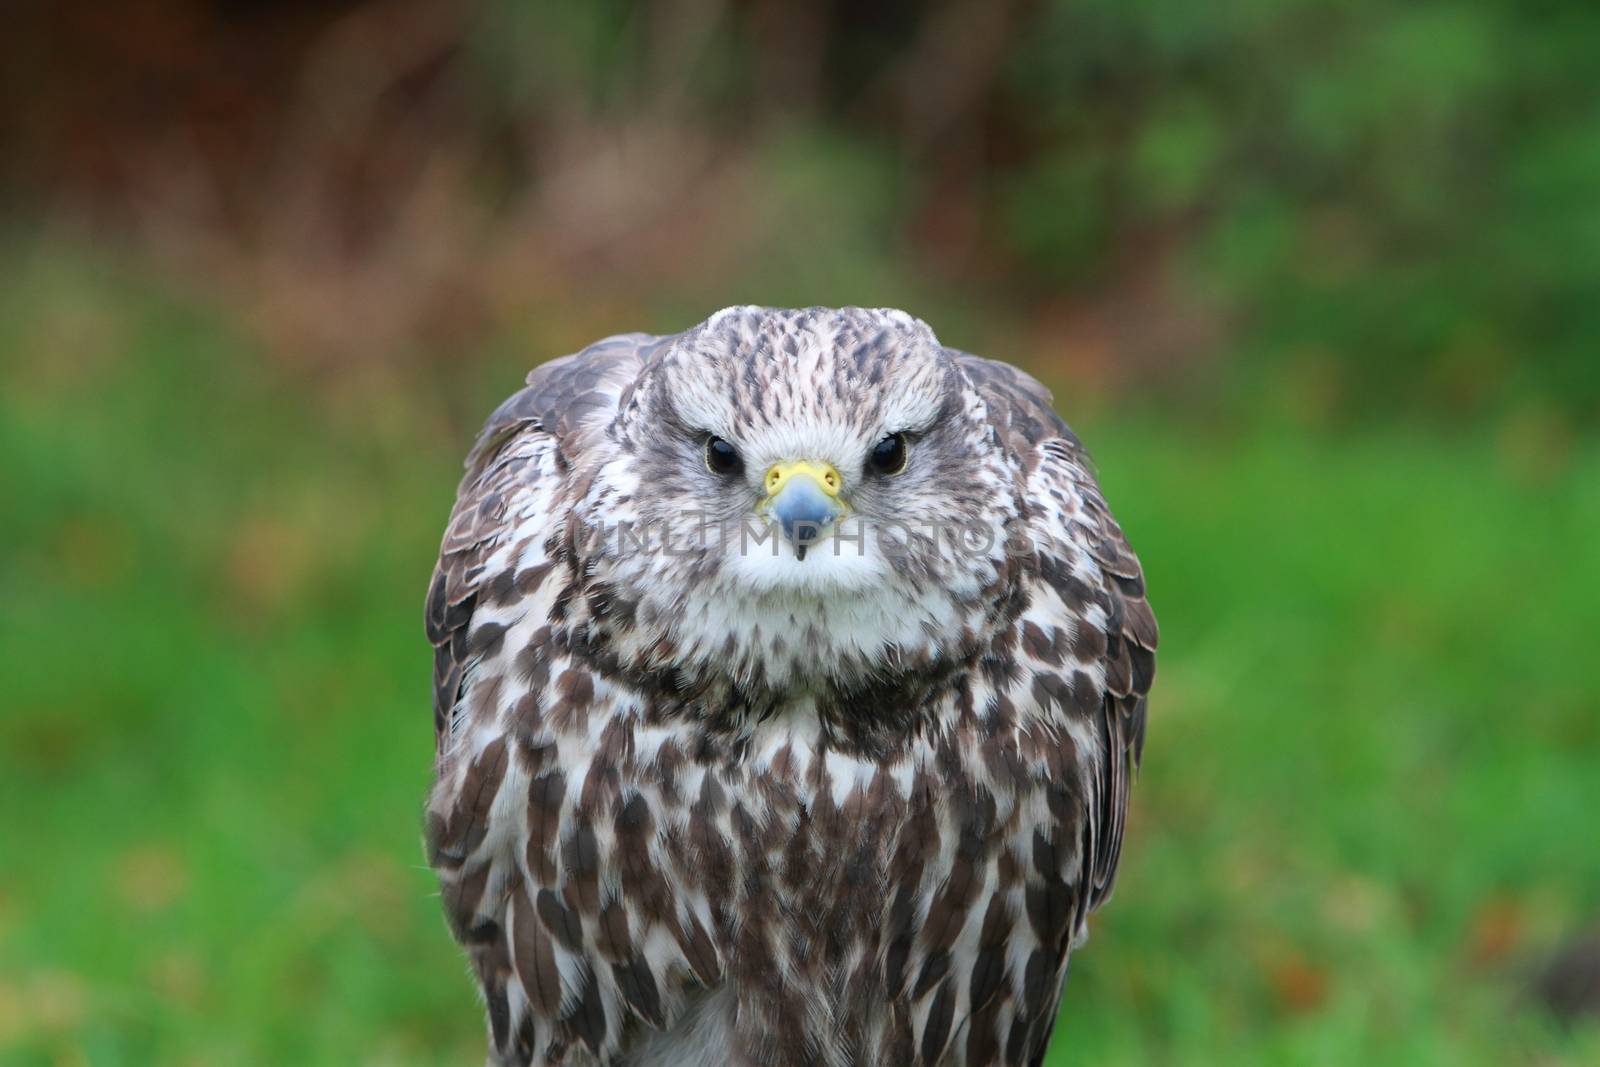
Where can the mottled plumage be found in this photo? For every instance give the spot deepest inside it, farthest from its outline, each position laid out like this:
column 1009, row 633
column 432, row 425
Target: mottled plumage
column 725, row 805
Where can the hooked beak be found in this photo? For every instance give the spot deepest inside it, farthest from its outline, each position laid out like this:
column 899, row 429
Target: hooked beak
column 804, row 498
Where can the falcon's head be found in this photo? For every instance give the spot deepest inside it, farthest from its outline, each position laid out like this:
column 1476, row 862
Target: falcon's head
column 802, row 500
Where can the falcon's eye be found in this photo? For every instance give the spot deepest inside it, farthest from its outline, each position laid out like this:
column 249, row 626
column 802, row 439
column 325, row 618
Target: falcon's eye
column 889, row 455
column 721, row 457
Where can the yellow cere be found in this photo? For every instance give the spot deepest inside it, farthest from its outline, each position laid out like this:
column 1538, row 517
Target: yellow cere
column 823, row 474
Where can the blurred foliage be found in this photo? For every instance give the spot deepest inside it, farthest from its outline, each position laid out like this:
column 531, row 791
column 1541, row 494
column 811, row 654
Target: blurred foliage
column 1399, row 190
column 1314, row 280
column 1387, row 206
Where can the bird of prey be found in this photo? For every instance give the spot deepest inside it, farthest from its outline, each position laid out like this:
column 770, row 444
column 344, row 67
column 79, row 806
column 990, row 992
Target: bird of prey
column 789, row 676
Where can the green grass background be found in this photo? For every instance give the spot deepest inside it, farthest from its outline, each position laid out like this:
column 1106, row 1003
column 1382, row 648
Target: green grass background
column 1367, row 807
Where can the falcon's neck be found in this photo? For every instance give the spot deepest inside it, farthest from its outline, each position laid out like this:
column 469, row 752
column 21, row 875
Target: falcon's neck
column 870, row 671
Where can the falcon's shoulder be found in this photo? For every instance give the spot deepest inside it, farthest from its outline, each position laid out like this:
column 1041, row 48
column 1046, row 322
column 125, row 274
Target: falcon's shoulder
column 503, row 504
column 1086, row 560
column 1019, row 407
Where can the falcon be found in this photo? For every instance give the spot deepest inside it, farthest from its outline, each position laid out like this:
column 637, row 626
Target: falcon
column 789, row 677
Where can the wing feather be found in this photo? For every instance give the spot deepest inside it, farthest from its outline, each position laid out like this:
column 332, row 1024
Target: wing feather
column 1087, row 561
